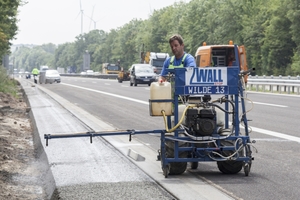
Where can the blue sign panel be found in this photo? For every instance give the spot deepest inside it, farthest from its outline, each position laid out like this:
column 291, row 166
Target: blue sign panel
column 206, row 81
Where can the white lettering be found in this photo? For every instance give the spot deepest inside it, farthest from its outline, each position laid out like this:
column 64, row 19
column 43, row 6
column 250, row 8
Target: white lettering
column 214, row 76
column 199, row 90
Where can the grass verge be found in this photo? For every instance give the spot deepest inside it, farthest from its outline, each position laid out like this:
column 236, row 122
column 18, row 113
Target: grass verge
column 7, row 84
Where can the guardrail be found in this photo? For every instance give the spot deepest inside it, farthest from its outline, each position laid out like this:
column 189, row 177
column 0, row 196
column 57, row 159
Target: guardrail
column 102, row 76
column 275, row 77
column 280, row 86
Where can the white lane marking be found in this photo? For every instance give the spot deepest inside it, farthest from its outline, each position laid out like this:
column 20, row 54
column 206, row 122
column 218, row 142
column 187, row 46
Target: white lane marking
column 270, row 139
column 268, row 93
column 259, row 130
column 269, row 104
column 276, row 134
column 110, row 94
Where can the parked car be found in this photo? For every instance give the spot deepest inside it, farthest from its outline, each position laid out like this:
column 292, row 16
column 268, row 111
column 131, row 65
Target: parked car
column 51, row 76
column 141, row 74
column 89, row 72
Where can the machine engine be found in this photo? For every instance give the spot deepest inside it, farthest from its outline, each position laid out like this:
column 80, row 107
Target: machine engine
column 201, row 122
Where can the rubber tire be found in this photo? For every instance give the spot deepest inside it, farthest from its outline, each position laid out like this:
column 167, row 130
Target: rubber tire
column 176, row 168
column 229, row 166
column 194, row 165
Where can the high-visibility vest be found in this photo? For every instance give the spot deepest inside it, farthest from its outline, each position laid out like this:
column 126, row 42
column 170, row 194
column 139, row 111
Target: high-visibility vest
column 35, row 71
column 171, row 66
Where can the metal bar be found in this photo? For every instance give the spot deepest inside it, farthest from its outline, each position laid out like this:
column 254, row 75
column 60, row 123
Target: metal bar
column 95, row 134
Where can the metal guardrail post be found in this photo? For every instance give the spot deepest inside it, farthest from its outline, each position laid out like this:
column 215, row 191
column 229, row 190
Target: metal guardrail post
column 284, row 88
column 271, row 88
column 280, row 89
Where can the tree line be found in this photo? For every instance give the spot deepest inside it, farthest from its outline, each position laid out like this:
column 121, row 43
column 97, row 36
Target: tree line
column 8, row 23
column 269, row 30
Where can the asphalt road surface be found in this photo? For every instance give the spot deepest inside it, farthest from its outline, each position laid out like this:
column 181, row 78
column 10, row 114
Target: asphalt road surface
column 274, row 121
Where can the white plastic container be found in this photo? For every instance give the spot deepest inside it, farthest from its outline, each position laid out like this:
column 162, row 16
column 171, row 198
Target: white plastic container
column 160, row 91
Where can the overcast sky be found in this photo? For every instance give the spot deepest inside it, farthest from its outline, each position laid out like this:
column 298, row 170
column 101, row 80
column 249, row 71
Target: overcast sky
column 59, row 21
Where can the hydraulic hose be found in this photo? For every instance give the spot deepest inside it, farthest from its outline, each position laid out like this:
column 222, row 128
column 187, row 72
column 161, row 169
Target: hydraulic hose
column 180, row 121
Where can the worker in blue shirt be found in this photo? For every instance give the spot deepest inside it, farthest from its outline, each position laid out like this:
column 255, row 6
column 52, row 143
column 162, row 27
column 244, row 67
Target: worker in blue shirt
column 180, row 58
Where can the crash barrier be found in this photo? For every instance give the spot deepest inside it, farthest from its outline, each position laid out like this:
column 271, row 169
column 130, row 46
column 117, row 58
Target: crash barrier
column 280, row 77
column 102, row 76
column 286, row 86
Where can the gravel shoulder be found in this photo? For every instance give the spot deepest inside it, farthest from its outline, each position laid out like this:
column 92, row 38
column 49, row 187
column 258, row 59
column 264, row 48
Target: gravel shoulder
column 20, row 177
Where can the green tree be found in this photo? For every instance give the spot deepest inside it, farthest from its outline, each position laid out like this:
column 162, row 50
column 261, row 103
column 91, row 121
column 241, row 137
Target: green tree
column 8, row 26
column 255, row 20
column 293, row 14
column 278, row 46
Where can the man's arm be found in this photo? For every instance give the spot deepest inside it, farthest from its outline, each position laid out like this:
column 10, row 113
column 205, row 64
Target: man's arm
column 190, row 61
column 164, row 70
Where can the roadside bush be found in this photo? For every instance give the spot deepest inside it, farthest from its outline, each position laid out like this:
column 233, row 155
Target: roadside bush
column 7, row 84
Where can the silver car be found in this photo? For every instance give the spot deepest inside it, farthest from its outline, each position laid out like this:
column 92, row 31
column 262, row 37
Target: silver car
column 51, row 76
column 141, row 74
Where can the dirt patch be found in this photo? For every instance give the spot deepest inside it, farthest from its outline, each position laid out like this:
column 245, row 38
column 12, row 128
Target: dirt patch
column 20, row 177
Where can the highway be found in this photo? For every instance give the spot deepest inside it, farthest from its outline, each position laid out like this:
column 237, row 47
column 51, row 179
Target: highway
column 274, row 124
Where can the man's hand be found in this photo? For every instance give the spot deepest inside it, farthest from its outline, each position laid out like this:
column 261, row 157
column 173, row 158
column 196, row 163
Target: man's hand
column 161, row 79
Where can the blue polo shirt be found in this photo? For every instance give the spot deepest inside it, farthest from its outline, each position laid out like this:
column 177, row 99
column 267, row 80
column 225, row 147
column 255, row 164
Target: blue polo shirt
column 189, row 61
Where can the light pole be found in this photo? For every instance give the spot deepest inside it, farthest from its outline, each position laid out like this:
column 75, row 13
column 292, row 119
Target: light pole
column 86, row 61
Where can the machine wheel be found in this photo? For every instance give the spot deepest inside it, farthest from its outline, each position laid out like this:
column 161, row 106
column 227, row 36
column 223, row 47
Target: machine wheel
column 194, row 165
column 176, row 168
column 229, row 166
column 166, row 171
column 119, row 80
column 247, row 167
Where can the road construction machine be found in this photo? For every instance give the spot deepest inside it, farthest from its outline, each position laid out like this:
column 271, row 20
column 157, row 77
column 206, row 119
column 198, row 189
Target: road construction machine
column 123, row 75
column 204, row 112
column 221, row 56
column 108, row 68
